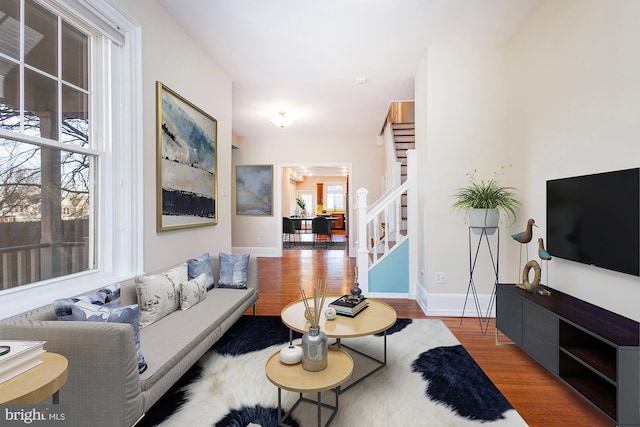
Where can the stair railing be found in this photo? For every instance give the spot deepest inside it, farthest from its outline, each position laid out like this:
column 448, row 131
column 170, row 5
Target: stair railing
column 378, row 228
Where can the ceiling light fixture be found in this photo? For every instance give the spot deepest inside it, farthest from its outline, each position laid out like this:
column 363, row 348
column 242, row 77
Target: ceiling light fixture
column 282, row 120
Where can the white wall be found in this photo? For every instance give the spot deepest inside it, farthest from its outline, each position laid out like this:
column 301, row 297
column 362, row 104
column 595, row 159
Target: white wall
column 561, row 99
column 575, row 98
column 170, row 56
column 261, row 235
column 465, row 115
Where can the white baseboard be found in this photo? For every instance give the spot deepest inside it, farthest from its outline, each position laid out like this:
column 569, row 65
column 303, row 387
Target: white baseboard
column 388, row 295
column 453, row 305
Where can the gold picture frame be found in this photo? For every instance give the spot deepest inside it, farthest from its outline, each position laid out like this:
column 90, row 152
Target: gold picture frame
column 186, row 156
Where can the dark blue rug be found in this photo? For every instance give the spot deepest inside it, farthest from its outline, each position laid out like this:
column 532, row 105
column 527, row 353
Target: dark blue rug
column 429, row 380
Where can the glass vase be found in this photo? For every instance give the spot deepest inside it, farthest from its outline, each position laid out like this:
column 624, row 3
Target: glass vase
column 314, row 350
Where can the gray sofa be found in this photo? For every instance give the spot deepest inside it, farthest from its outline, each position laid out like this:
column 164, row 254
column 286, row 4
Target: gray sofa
column 104, row 387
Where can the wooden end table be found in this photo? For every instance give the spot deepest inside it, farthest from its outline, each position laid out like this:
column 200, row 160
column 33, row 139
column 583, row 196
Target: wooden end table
column 295, row 378
column 38, row 383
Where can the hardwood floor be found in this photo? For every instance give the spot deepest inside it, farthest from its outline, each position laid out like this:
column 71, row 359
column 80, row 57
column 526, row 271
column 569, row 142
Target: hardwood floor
column 539, row 397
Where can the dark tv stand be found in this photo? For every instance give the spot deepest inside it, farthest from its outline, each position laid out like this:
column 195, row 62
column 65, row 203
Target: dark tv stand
column 594, row 351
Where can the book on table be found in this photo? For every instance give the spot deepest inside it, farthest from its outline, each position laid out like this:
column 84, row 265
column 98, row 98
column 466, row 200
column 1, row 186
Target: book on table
column 22, row 356
column 352, row 313
column 349, row 304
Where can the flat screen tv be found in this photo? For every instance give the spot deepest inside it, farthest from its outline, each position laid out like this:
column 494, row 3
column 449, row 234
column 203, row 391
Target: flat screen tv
column 595, row 220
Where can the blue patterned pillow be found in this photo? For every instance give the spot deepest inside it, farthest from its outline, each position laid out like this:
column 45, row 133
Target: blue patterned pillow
column 201, row 265
column 111, row 295
column 233, row 271
column 108, row 296
column 83, row 311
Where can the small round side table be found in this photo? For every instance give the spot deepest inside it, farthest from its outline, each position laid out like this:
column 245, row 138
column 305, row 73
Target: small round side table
column 38, row 383
column 295, row 378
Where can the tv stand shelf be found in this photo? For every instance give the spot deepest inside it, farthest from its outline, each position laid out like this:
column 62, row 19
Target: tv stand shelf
column 594, row 351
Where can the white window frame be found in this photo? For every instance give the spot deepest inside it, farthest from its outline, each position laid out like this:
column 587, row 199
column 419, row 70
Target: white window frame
column 117, row 104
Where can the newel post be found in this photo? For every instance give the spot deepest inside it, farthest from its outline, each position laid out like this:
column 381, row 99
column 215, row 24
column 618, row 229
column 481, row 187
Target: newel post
column 362, row 258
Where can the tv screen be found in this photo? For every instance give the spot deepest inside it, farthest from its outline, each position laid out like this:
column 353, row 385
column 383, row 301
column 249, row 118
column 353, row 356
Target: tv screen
column 595, row 220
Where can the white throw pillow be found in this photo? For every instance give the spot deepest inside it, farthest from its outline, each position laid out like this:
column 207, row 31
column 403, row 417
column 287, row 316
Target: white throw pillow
column 193, row 291
column 159, row 294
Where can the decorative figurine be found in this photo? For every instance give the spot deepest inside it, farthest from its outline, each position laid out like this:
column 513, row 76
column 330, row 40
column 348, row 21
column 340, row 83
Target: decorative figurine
column 526, row 235
column 356, row 292
column 544, row 256
column 330, row 313
column 542, row 252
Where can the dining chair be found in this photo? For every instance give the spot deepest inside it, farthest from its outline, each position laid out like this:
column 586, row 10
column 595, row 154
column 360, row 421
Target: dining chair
column 288, row 230
column 321, row 229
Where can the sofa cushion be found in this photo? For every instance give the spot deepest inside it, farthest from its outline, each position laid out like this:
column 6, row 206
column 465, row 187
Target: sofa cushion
column 84, row 311
column 159, row 294
column 169, row 342
column 193, row 291
column 233, row 271
column 198, row 266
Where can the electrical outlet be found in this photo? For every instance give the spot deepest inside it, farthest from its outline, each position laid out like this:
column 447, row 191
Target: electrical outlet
column 441, row 277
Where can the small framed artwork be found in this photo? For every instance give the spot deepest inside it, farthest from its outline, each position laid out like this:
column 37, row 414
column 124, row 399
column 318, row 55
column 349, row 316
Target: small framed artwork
column 254, row 190
column 187, row 186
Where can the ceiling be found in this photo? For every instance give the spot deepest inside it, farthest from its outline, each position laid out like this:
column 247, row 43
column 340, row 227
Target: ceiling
column 333, row 66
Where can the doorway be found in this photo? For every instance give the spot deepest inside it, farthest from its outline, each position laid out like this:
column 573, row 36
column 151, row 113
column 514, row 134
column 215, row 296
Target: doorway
column 310, row 190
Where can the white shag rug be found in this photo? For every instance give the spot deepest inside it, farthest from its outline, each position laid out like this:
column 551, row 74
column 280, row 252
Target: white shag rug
column 429, row 380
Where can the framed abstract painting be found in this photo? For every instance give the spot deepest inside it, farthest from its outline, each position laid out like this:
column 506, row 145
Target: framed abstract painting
column 187, row 186
column 254, row 190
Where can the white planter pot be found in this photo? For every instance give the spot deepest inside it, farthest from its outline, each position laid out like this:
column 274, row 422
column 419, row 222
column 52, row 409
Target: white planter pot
column 484, row 218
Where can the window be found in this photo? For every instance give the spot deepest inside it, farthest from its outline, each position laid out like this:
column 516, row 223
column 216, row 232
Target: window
column 62, row 65
column 334, row 198
column 46, row 156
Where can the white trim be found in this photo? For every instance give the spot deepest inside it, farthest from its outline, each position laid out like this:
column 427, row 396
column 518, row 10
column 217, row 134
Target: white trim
column 102, row 14
column 388, row 295
column 452, row 305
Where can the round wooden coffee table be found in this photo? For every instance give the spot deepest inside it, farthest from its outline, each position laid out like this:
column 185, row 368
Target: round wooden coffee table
column 38, row 383
column 295, row 378
column 376, row 318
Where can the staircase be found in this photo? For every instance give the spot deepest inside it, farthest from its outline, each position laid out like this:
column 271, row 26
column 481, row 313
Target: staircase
column 404, row 137
column 384, row 248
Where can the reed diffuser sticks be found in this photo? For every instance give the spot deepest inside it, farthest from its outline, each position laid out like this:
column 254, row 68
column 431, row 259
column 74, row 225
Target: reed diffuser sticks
column 319, row 295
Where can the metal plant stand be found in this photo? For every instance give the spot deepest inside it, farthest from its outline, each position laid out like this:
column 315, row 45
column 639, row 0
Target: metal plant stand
column 471, row 288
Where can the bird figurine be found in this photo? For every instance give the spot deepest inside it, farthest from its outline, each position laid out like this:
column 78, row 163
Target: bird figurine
column 526, row 235
column 542, row 252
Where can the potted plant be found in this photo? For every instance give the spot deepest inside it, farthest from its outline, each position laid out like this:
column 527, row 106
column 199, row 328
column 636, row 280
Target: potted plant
column 484, row 200
column 302, row 205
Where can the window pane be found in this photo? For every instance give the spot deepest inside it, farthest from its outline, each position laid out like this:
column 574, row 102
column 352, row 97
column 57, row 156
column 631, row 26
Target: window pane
column 9, row 95
column 44, row 213
column 19, row 183
column 41, row 105
column 10, row 28
column 335, row 198
column 75, row 47
column 41, row 38
column 75, row 116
